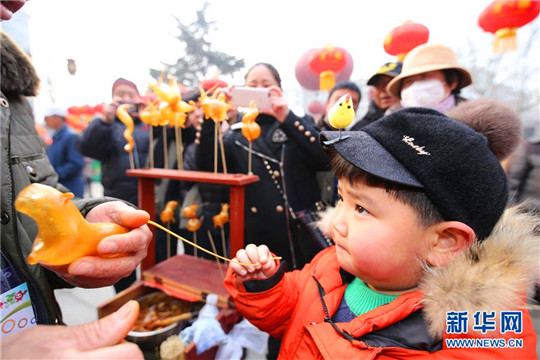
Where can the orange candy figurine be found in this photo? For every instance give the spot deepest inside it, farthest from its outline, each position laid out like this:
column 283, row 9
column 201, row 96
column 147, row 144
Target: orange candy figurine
column 219, row 221
column 193, row 224
column 215, row 107
column 250, row 129
column 125, row 118
column 190, row 211
column 63, row 234
column 167, row 215
column 223, row 217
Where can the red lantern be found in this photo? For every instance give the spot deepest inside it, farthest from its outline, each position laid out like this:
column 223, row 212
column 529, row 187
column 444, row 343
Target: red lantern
column 503, row 18
column 327, row 62
column 309, row 80
column 404, row 38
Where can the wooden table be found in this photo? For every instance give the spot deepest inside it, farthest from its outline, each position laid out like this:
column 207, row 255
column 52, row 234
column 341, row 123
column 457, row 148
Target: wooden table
column 236, row 183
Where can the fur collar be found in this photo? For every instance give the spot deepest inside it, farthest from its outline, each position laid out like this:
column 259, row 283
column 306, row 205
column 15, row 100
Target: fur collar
column 491, row 275
column 17, row 74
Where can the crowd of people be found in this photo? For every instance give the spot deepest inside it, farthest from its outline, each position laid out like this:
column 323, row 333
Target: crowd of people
column 418, row 207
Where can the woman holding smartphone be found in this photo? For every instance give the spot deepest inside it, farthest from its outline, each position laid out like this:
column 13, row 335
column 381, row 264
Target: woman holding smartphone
column 286, row 157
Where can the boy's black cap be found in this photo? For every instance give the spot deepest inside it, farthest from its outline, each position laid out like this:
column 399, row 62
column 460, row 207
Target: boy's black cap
column 424, row 148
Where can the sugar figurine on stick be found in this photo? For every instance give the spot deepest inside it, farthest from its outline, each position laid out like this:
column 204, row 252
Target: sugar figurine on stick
column 193, row 224
column 167, row 216
column 250, row 129
column 127, row 120
column 173, row 112
column 179, row 123
column 219, row 221
column 63, row 235
column 150, row 115
column 215, row 107
column 341, row 115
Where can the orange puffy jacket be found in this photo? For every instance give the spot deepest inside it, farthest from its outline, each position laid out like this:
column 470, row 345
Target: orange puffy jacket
column 289, row 306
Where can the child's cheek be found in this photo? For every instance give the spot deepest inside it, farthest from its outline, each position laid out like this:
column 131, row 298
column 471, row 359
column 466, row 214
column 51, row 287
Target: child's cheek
column 367, row 257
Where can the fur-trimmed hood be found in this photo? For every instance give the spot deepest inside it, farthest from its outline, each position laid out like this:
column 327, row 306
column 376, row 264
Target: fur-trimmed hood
column 492, row 275
column 17, row 74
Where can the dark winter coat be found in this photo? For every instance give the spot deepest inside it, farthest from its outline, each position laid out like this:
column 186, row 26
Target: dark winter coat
column 374, row 113
column 105, row 142
column 67, row 160
column 23, row 161
column 286, row 157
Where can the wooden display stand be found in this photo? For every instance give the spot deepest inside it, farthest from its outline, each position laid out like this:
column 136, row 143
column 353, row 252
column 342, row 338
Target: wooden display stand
column 184, row 276
column 236, row 183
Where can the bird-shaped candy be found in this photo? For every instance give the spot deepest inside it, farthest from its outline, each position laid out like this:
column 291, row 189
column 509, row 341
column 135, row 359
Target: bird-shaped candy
column 341, row 115
column 63, row 235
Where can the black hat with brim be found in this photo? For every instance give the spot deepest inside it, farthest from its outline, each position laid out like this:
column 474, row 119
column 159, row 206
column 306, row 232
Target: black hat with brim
column 423, row 148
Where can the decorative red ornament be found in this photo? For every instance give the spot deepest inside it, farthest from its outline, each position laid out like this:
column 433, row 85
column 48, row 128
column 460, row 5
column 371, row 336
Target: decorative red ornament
column 74, row 110
column 98, row 109
column 212, row 84
column 404, row 38
column 310, row 80
column 503, row 18
column 326, row 62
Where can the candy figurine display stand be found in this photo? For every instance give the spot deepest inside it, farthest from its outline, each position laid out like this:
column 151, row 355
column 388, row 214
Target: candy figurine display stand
column 236, row 183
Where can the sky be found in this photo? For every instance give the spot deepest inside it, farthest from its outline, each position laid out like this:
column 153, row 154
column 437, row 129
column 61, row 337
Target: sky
column 124, row 38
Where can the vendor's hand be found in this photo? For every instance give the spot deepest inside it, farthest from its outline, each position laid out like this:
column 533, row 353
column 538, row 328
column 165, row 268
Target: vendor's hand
column 254, row 254
column 100, row 339
column 280, row 109
column 95, row 271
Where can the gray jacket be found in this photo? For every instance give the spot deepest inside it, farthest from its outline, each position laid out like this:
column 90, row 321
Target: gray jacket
column 23, row 161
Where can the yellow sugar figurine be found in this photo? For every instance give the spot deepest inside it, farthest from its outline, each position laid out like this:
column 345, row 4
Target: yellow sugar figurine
column 341, row 115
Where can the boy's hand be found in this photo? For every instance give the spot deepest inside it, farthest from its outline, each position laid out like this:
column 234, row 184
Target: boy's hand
column 254, row 254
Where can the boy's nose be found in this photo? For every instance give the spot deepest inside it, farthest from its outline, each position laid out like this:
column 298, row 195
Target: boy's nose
column 338, row 223
column 341, row 229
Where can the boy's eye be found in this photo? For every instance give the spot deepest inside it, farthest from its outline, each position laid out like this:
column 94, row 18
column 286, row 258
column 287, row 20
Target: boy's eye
column 360, row 210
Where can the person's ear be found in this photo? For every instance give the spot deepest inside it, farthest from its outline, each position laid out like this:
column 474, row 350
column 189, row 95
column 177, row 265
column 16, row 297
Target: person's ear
column 450, row 239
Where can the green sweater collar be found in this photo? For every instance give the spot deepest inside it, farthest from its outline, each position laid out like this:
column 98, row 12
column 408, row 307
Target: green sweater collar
column 361, row 299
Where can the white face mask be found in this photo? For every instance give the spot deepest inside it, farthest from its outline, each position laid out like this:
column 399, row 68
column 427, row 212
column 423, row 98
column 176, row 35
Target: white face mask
column 424, row 93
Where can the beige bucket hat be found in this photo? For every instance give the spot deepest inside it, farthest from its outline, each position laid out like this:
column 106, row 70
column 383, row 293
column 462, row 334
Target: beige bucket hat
column 425, row 58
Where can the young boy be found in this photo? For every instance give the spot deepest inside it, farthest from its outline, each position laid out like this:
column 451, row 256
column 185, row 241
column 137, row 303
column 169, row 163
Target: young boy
column 418, row 262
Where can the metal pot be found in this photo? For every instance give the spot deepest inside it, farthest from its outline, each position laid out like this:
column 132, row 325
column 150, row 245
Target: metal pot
column 148, row 340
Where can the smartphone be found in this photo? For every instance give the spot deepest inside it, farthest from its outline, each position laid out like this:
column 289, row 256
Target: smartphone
column 242, row 96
